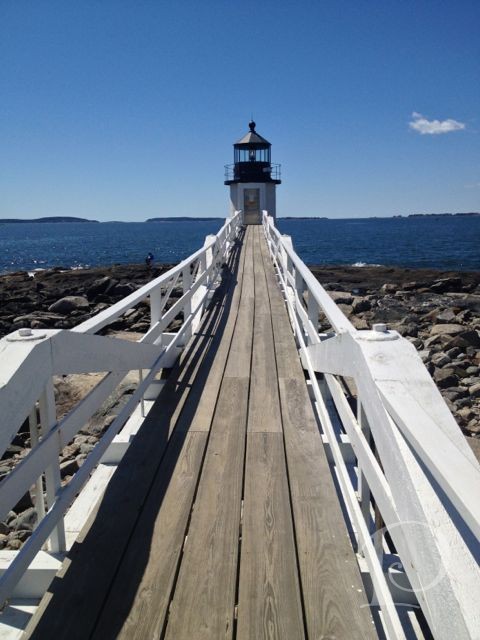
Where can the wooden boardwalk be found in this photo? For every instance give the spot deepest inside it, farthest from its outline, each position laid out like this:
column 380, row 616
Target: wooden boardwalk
column 222, row 520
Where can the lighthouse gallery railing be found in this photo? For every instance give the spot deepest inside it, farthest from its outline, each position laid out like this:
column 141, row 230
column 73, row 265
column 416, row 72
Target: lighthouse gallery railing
column 411, row 486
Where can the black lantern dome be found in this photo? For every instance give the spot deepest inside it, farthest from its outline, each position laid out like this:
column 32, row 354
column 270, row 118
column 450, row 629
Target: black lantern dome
column 252, row 160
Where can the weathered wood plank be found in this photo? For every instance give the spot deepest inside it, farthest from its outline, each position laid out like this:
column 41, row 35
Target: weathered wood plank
column 334, row 598
column 72, row 605
column 239, row 359
column 261, row 294
column 204, row 597
column 138, row 602
column 333, row 594
column 264, row 405
column 269, row 594
column 198, row 415
column 288, row 365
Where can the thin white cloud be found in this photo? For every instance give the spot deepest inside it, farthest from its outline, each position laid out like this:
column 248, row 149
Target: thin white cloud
column 432, row 127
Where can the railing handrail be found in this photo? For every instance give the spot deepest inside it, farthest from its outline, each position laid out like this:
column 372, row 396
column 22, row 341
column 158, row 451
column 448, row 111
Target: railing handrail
column 337, row 318
column 97, row 322
column 30, row 364
column 423, row 476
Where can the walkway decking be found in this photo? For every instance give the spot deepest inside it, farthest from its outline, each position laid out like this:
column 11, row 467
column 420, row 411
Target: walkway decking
column 222, row 520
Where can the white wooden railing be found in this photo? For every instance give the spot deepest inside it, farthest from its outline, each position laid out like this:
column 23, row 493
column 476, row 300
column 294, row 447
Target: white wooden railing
column 29, row 360
column 409, row 480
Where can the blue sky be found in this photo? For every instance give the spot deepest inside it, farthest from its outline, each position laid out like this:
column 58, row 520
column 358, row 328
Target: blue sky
column 124, row 110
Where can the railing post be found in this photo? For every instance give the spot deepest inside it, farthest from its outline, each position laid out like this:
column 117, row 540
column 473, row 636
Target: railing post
column 155, row 306
column 313, row 310
column 364, row 494
column 48, row 419
column 34, row 439
column 187, row 308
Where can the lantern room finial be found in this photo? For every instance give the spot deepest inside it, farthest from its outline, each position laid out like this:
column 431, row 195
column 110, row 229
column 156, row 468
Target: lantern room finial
column 252, row 126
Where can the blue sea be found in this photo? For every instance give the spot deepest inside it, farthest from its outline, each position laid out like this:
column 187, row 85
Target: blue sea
column 434, row 242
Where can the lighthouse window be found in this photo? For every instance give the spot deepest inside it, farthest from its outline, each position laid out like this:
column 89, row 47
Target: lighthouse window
column 252, row 155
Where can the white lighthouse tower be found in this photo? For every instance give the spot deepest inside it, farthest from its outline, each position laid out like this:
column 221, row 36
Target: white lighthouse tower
column 252, row 178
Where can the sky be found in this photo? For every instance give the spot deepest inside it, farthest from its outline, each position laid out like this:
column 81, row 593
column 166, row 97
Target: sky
column 128, row 109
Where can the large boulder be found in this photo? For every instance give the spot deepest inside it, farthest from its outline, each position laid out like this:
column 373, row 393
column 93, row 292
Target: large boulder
column 446, row 284
column 447, row 329
column 68, row 304
column 341, row 297
column 100, row 286
column 464, row 339
column 445, row 378
column 121, row 289
column 361, row 304
column 446, row 316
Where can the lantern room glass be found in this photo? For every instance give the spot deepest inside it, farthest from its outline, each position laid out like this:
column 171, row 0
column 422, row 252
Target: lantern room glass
column 252, row 155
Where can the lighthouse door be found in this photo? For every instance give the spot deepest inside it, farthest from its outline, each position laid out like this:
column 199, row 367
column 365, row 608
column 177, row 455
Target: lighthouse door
column 251, row 206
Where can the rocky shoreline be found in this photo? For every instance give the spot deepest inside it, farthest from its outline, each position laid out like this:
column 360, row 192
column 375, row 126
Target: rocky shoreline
column 437, row 311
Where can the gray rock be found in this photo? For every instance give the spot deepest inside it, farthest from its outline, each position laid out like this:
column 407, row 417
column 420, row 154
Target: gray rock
column 453, row 352
column 86, row 448
column 446, row 284
column 21, row 535
column 424, row 355
column 474, row 390
column 417, row 343
column 68, row 304
column 440, row 359
column 122, row 289
column 68, row 468
column 447, row 329
column 99, row 286
column 360, row 305
column 81, row 459
column 445, row 378
column 388, row 288
column 446, row 316
column 341, row 297
column 466, row 413
column 474, row 426
column 25, row 521
column 24, row 503
column 346, row 308
column 360, row 323
column 406, row 329
column 470, row 338
column 451, row 395
column 14, row 544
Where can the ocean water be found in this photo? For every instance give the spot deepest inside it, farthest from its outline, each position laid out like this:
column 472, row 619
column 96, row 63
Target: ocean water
column 443, row 243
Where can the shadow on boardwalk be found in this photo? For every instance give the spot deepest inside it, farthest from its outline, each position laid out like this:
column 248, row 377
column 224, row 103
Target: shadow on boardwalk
column 73, row 606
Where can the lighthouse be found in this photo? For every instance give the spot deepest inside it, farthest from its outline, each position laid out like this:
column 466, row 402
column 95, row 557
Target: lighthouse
column 252, row 177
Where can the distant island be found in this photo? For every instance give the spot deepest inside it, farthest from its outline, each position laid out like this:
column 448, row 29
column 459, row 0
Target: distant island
column 210, row 219
column 303, row 218
column 410, row 215
column 48, row 219
column 181, row 219
column 423, row 215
